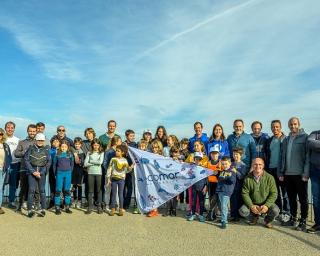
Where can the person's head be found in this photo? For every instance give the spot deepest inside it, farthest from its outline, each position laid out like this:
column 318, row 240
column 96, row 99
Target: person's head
column 96, row 145
column 61, row 131
column 121, row 150
column 3, row 136
column 225, row 163
column 197, row 157
column 10, row 128
column 156, row 147
column 40, row 127
column 77, row 143
column 32, row 131
column 256, row 128
column 112, row 126
column 215, row 152
column 64, row 146
column 40, row 139
column 184, row 144
column 198, row 146
column 172, row 141
column 217, row 132
column 143, row 145
column 257, row 166
column 130, row 135
column 276, row 127
column 198, row 128
column 55, row 143
column 237, row 153
column 174, row 152
column 238, row 126
column 147, row 135
column 115, row 141
column 294, row 124
column 89, row 133
column 161, row 132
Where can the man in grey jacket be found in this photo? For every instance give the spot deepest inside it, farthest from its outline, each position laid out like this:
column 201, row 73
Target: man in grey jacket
column 314, row 149
column 294, row 171
column 22, row 148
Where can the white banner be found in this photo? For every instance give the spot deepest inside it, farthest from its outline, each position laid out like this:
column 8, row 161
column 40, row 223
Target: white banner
column 158, row 178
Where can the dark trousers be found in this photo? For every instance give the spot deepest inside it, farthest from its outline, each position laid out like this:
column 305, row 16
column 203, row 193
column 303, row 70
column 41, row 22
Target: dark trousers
column 77, row 192
column 36, row 184
column 236, row 200
column 282, row 200
column 23, row 194
column 297, row 187
column 103, row 189
column 171, row 205
column 201, row 196
column 94, row 181
column 13, row 181
column 213, row 197
column 127, row 191
column 315, row 189
column 117, row 185
column 86, row 185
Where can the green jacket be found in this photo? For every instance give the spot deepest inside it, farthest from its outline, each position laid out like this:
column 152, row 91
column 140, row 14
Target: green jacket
column 263, row 192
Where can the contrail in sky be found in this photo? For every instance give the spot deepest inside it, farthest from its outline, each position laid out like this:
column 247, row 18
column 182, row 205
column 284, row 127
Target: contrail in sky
column 193, row 28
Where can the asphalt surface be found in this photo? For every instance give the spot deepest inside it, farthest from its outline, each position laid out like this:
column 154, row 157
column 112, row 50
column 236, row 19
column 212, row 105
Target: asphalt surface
column 80, row 234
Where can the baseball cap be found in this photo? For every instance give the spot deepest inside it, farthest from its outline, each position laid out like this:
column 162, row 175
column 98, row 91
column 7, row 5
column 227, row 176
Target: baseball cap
column 198, row 155
column 215, row 148
column 40, row 136
column 147, row 131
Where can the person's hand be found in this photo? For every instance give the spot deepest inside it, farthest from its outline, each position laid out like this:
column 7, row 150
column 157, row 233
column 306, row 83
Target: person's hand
column 204, row 190
column 281, row 178
column 264, row 209
column 76, row 158
column 255, row 209
column 305, row 178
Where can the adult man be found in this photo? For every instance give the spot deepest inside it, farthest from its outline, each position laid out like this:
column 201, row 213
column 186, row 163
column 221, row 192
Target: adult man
column 41, row 129
column 314, row 147
column 259, row 194
column 12, row 141
column 199, row 135
column 20, row 151
column 294, row 171
column 242, row 140
column 273, row 148
column 260, row 139
column 61, row 135
column 105, row 138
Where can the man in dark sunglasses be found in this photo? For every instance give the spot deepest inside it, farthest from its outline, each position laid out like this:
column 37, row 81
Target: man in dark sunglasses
column 61, row 135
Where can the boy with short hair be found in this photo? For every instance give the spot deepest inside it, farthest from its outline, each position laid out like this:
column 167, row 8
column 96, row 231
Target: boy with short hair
column 226, row 183
column 236, row 200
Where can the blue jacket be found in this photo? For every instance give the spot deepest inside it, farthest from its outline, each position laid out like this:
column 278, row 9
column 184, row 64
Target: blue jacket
column 108, row 155
column 226, row 182
column 204, row 138
column 246, row 142
column 7, row 157
column 261, row 145
column 31, row 168
column 241, row 168
column 63, row 162
column 223, row 145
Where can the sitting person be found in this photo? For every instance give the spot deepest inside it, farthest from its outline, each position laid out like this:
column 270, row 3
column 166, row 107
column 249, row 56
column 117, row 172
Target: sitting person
column 259, row 193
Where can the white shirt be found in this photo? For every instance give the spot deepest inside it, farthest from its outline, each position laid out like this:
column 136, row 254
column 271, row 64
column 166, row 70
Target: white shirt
column 13, row 143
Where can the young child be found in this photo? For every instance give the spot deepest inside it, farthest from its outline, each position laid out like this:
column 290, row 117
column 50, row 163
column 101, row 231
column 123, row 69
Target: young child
column 226, row 183
column 55, row 144
column 171, row 205
column 215, row 165
column 62, row 166
column 93, row 162
column 199, row 189
column 184, row 147
column 116, row 175
column 171, row 141
column 236, row 200
column 77, row 173
column 143, row 145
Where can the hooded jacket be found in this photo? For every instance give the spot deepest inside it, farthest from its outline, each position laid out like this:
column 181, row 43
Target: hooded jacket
column 314, row 148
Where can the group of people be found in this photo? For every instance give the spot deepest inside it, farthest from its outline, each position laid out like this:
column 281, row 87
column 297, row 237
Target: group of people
column 253, row 174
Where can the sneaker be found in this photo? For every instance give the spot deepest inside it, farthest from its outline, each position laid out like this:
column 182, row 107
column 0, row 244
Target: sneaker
column 99, row 211
column 42, row 213
column 51, row 204
column 136, row 210
column 68, row 209
column 302, row 226
column 153, row 213
column 88, row 211
column 191, row 217
column 1, row 211
column 174, row 212
column 78, row 205
column 74, row 204
column 268, row 224
column 121, row 212
column 285, row 217
column 24, row 205
column 19, row 210
column 12, row 206
column 254, row 220
column 30, row 214
column 202, row 218
column 314, row 229
column 223, row 225
column 57, row 211
column 111, row 213
column 291, row 223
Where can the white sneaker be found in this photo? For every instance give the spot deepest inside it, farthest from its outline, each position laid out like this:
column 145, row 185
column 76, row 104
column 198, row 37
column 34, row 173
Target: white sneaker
column 78, row 205
column 24, row 205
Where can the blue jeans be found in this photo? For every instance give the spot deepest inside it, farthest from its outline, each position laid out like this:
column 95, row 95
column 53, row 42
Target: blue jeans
column 315, row 190
column 63, row 180
column 1, row 185
column 224, row 201
column 117, row 185
column 35, row 183
column 13, row 181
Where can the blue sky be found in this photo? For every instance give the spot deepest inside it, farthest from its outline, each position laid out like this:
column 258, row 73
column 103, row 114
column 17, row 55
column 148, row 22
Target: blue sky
column 146, row 63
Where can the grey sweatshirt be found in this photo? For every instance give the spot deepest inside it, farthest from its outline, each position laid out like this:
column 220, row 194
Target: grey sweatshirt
column 314, row 148
column 21, row 149
column 295, row 155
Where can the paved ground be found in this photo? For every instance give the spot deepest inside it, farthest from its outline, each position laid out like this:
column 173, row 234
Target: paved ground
column 79, row 234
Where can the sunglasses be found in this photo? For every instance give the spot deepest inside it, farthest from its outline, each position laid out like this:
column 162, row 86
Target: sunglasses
column 61, row 130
